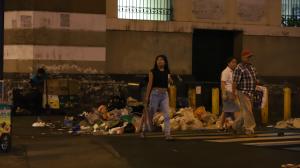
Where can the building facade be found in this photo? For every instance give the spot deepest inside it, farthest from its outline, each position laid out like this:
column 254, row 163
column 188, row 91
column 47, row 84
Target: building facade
column 63, row 36
column 124, row 36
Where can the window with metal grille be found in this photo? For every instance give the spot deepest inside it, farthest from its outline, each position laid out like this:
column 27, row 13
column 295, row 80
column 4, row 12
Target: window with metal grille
column 159, row 10
column 290, row 13
column 26, row 21
column 64, row 20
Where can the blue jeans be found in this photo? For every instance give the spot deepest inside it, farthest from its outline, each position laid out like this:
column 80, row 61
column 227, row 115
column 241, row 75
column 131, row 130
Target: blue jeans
column 159, row 100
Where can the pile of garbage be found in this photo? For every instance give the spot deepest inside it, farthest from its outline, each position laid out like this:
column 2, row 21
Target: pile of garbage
column 290, row 166
column 112, row 119
column 120, row 121
column 293, row 123
column 115, row 119
column 187, row 119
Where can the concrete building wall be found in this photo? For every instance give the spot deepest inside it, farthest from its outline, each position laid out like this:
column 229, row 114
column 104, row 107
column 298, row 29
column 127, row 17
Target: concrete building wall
column 54, row 20
column 275, row 56
column 256, row 12
column 131, row 52
column 63, row 36
column 259, row 20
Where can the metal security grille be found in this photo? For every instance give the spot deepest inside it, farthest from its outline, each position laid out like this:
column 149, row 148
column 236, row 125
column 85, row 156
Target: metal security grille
column 159, row 10
column 290, row 13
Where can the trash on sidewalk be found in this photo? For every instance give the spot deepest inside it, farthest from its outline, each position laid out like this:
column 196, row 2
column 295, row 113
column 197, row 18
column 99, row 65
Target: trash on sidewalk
column 290, row 166
column 207, row 118
column 296, row 123
column 188, row 119
column 115, row 118
column 68, row 121
column 39, row 124
column 136, row 122
column 291, row 123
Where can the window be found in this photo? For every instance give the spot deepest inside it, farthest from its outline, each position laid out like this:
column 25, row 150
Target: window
column 290, row 13
column 26, row 21
column 159, row 10
column 14, row 23
column 64, row 20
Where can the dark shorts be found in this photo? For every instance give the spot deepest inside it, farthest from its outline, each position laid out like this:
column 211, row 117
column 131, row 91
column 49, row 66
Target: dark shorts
column 230, row 105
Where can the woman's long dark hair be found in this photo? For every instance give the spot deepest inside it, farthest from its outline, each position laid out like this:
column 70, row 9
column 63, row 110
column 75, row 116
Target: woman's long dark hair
column 164, row 57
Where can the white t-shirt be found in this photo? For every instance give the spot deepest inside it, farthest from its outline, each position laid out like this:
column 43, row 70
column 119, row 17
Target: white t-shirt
column 227, row 77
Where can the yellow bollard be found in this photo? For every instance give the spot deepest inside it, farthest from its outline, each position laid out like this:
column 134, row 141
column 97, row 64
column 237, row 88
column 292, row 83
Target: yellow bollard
column 215, row 101
column 287, row 92
column 172, row 97
column 192, row 97
column 265, row 110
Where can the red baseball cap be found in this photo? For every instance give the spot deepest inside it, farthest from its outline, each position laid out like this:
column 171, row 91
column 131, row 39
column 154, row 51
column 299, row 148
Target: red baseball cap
column 247, row 53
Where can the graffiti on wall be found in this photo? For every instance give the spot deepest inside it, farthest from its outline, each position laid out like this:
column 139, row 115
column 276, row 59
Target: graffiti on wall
column 69, row 68
column 253, row 10
column 208, row 9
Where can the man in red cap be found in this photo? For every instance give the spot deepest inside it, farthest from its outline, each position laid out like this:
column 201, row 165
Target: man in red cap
column 244, row 85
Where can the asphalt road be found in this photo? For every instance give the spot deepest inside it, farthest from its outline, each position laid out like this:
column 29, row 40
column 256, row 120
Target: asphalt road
column 45, row 148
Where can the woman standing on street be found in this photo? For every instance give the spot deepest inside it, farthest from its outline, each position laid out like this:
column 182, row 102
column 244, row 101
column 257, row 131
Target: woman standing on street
column 157, row 93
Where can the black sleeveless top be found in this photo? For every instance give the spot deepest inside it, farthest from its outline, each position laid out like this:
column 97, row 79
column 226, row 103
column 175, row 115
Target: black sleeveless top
column 160, row 78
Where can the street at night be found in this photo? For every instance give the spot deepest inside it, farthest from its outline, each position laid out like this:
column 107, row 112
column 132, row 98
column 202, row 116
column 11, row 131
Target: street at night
column 43, row 147
column 149, row 84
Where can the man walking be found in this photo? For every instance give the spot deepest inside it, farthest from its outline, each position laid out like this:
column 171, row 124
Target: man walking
column 229, row 102
column 244, row 85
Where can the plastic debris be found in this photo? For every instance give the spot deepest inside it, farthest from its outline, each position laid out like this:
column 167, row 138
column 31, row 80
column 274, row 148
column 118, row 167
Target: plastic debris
column 158, row 118
column 136, row 121
column 133, row 102
column 291, row 123
column 116, row 131
column 296, row 123
column 115, row 119
column 290, row 166
column 95, row 127
column 39, row 124
column 93, row 117
column 68, row 121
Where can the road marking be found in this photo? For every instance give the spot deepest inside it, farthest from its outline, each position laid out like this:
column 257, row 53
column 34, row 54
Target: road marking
column 276, row 143
column 255, row 139
column 218, row 136
column 191, row 135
